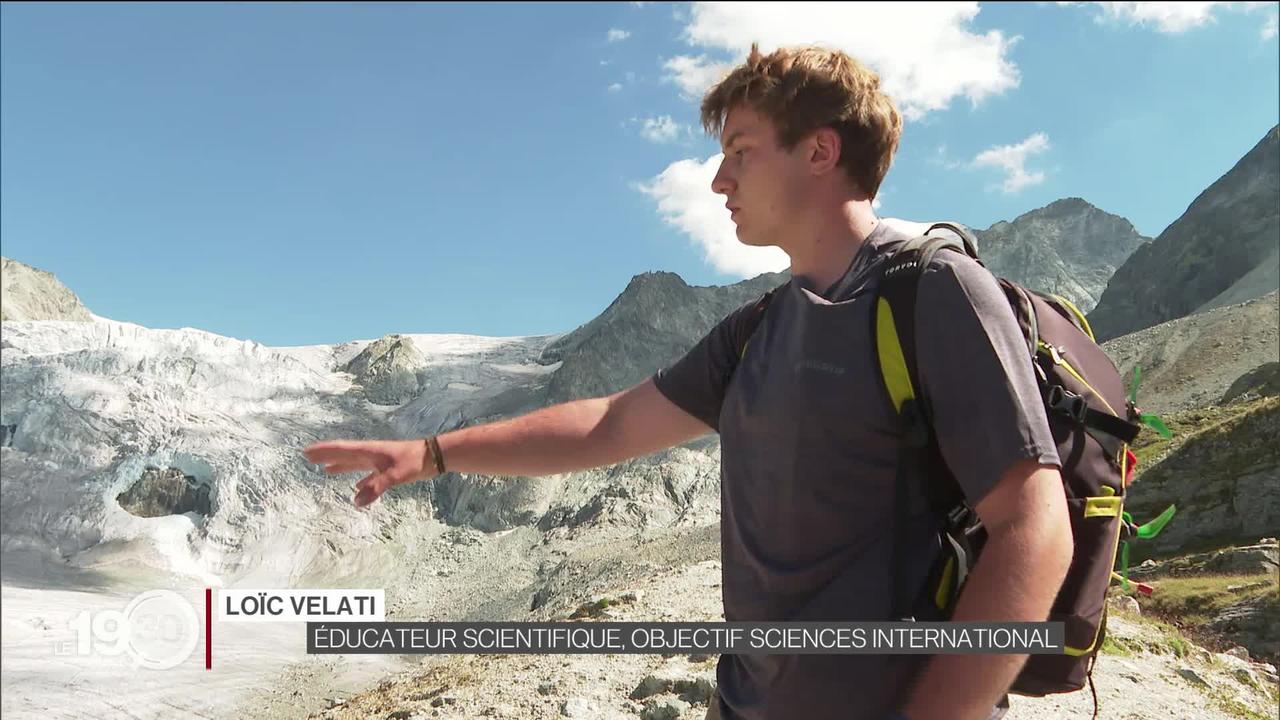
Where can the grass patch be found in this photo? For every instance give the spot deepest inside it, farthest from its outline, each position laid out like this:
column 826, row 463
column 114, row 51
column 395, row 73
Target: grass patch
column 1116, row 646
column 1232, row 706
column 1176, row 644
column 593, row 609
column 1150, row 447
column 1166, row 640
column 1182, row 607
column 1194, row 600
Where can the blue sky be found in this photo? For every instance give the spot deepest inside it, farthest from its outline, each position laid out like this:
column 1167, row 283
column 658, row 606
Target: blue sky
column 303, row 174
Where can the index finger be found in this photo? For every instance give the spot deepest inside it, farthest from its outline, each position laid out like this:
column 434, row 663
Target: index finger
column 332, row 450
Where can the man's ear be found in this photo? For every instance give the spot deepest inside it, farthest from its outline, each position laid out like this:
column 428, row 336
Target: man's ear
column 824, row 150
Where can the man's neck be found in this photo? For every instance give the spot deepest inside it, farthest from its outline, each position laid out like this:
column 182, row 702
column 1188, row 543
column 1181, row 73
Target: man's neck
column 820, row 258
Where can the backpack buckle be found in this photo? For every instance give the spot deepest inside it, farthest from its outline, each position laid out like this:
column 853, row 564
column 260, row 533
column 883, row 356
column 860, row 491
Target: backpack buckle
column 957, row 517
column 1065, row 402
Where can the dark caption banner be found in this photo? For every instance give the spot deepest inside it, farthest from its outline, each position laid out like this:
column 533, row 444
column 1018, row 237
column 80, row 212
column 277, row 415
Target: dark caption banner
column 803, row 638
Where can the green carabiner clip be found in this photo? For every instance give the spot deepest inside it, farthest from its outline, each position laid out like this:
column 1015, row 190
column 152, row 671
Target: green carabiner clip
column 1154, row 527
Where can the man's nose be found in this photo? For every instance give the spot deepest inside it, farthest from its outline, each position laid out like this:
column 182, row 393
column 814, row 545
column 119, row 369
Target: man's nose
column 721, row 184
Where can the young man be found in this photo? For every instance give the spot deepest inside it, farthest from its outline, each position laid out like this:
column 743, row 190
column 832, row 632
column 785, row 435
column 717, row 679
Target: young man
column 809, row 440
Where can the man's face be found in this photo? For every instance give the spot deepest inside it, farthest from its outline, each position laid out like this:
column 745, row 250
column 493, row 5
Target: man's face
column 763, row 184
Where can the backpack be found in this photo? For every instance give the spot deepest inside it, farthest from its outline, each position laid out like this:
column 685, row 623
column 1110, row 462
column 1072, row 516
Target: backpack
column 1092, row 424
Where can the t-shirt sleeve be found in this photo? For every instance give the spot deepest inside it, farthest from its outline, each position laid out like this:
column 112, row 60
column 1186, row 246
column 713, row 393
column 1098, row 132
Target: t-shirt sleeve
column 977, row 376
column 697, row 382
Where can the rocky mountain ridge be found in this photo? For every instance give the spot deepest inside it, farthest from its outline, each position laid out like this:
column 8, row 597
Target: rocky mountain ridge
column 1223, row 249
column 28, row 293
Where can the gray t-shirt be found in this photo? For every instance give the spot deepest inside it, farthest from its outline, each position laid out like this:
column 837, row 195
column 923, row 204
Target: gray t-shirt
column 809, row 449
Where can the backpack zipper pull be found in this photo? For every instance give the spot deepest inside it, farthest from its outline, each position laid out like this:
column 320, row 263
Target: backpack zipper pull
column 1053, row 352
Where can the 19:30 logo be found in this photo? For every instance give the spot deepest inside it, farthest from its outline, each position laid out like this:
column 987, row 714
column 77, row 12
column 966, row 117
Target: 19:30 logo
column 158, row 630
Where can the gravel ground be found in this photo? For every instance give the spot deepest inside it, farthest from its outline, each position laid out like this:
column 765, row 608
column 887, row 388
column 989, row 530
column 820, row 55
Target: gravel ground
column 676, row 577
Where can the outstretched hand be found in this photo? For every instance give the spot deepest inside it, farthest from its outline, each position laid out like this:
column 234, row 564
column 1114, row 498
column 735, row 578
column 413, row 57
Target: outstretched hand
column 393, row 462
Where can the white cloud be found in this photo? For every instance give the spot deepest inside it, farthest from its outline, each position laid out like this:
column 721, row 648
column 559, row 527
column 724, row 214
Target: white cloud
column 926, row 53
column 615, row 87
column 1013, row 160
column 605, row 62
column 1171, row 17
column 695, row 74
column 685, row 201
column 1271, row 28
column 616, row 35
column 662, row 129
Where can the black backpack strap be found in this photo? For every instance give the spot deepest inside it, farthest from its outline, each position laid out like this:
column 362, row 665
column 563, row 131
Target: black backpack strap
column 966, row 236
column 895, row 340
column 894, row 325
column 1109, row 430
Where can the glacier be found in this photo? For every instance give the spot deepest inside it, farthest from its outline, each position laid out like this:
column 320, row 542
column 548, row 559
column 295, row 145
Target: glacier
column 90, row 407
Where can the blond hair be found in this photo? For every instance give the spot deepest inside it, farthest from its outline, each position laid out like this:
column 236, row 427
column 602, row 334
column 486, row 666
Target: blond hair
column 803, row 89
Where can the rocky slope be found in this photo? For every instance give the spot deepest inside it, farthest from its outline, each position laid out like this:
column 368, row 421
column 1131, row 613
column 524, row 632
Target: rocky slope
column 1198, row 360
column 1223, row 249
column 1258, row 282
column 27, row 293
